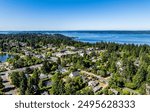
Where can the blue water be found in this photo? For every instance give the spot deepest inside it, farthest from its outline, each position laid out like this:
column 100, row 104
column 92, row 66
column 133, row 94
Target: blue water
column 128, row 37
column 107, row 37
column 4, row 57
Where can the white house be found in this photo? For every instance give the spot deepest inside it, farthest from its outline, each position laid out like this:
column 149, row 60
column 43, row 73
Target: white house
column 43, row 76
column 74, row 74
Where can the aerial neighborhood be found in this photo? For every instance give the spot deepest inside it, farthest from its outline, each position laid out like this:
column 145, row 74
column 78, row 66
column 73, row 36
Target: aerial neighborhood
column 54, row 64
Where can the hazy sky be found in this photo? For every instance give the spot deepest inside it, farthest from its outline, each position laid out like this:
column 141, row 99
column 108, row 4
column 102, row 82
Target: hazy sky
column 74, row 14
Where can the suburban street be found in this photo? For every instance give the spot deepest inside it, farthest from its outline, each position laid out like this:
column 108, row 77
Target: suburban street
column 21, row 69
column 99, row 77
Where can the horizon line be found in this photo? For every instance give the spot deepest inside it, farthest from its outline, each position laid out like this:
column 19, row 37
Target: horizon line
column 67, row 30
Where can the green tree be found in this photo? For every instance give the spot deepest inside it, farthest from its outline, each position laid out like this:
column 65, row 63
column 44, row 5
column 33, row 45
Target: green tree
column 139, row 77
column 28, row 70
column 57, row 84
column 125, row 92
column 85, row 91
column 46, row 68
column 69, row 89
column 130, row 85
column 30, row 89
column 116, row 81
column 129, row 69
column 78, row 83
column 1, row 83
column 148, row 74
column 23, row 83
column 22, row 88
column 15, row 79
column 61, row 87
column 35, row 77
column 142, row 89
column 102, row 73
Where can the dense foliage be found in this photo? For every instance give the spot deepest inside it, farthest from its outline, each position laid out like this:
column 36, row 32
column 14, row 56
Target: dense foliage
column 126, row 65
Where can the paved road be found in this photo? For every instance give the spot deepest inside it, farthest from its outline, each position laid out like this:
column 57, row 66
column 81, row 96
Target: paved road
column 21, row 69
column 99, row 77
column 106, row 82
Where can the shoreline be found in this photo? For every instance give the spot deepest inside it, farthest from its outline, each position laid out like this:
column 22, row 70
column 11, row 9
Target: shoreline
column 118, row 37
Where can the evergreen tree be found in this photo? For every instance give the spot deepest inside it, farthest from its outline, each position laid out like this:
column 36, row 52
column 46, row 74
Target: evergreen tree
column 15, row 79
column 56, row 87
column 139, row 77
column 30, row 89
column 1, row 83
column 23, row 83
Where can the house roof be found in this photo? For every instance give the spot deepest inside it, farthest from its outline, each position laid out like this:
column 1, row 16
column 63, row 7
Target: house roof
column 93, row 83
column 97, row 88
column 74, row 74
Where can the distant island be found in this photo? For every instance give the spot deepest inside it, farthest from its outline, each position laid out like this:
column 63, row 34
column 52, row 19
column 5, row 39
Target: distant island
column 55, row 63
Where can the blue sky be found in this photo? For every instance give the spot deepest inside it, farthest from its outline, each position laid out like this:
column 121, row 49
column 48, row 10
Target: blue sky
column 74, row 14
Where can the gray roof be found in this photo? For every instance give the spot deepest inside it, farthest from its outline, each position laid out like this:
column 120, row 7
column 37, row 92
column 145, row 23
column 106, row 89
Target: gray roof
column 74, row 74
column 42, row 76
column 47, row 83
column 93, row 83
column 45, row 93
column 97, row 88
column 114, row 91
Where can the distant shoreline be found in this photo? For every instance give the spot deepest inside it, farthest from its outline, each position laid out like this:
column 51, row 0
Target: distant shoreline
column 120, row 37
column 102, row 31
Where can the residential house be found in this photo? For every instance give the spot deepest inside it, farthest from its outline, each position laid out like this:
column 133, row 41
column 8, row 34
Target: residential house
column 45, row 93
column 47, row 83
column 114, row 91
column 93, row 83
column 43, row 76
column 74, row 74
column 147, row 89
column 96, row 89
